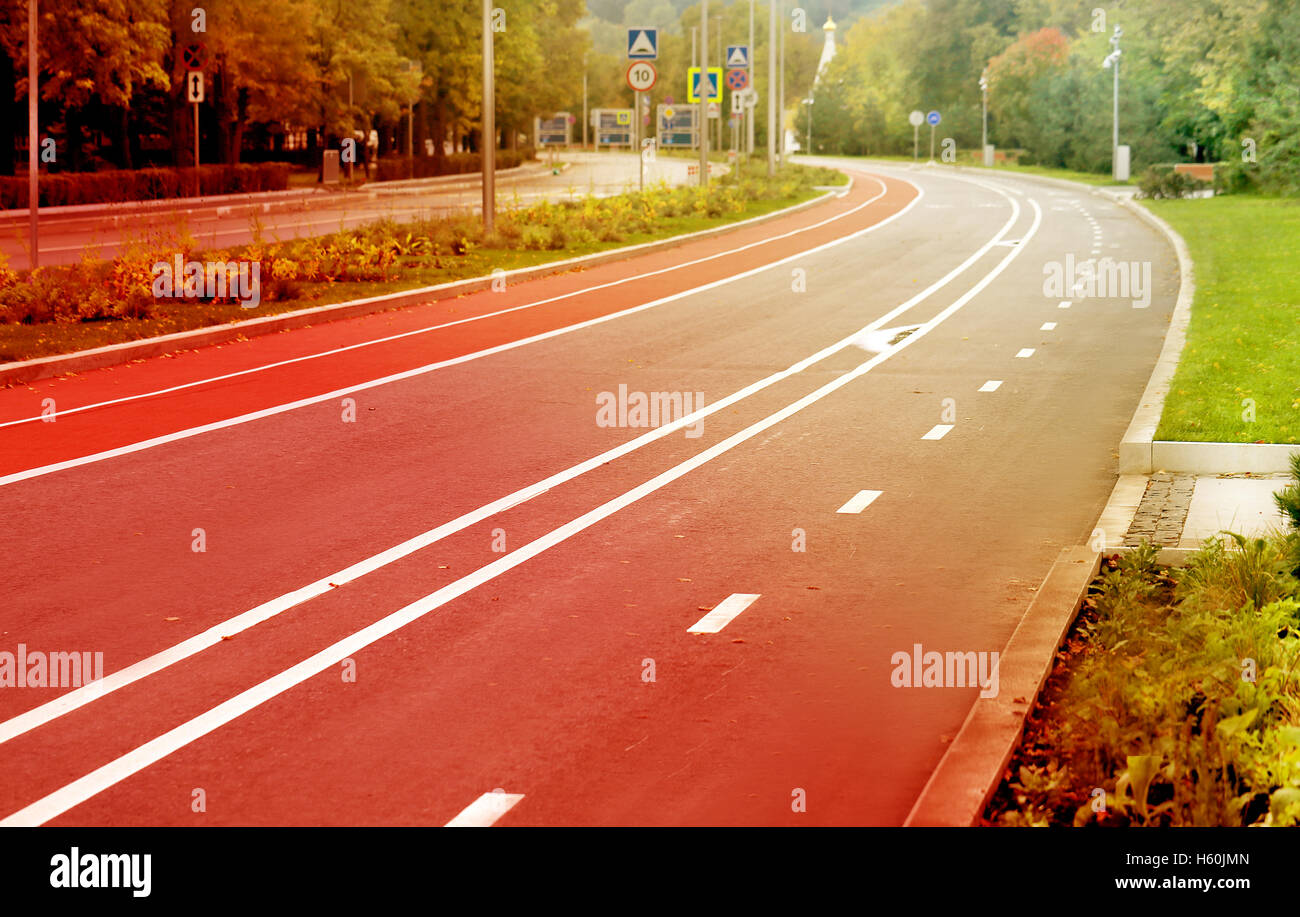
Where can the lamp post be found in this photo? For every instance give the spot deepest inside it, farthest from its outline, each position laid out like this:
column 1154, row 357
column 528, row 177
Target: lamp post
column 771, row 88
column 33, row 170
column 705, row 93
column 1112, row 62
column 809, row 102
column 489, row 139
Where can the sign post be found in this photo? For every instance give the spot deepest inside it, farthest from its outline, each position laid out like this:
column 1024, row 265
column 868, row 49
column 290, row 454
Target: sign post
column 642, row 48
column 194, row 87
column 933, row 118
column 916, row 119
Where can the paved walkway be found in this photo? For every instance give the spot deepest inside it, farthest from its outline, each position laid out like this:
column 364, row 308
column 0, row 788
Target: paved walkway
column 1183, row 510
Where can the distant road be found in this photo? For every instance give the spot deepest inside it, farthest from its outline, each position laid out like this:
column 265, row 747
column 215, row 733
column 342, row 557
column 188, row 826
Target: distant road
column 65, row 237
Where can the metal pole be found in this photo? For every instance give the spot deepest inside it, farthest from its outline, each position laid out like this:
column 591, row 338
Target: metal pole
column 780, row 128
column 33, row 169
column 771, row 89
column 753, row 69
column 198, row 183
column 719, row 98
column 811, row 100
column 931, row 143
column 352, row 126
column 1114, row 145
column 585, row 116
column 984, row 96
column 705, row 93
column 489, row 125
column 916, row 141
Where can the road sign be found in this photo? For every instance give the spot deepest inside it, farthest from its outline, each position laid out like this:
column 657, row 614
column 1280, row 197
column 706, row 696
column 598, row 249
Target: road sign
column 737, row 104
column 737, row 80
column 194, row 56
column 642, row 44
column 933, row 118
column 194, row 85
column 751, row 97
column 715, row 110
column 641, row 75
column 668, row 112
column 553, row 131
column 693, row 83
column 916, row 119
column 676, row 127
column 738, row 56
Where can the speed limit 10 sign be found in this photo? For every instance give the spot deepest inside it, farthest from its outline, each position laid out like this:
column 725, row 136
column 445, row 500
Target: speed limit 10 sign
column 641, row 75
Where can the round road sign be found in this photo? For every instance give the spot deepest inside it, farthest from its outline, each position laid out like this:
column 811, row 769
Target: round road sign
column 737, row 79
column 641, row 75
column 669, row 112
column 916, row 119
column 932, row 117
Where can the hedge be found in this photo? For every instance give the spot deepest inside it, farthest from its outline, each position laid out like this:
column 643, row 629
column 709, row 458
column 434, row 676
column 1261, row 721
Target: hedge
column 393, row 168
column 116, row 186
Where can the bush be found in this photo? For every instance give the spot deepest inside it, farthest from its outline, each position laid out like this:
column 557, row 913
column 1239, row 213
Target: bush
column 1161, row 181
column 1233, row 178
column 1288, row 499
column 118, row 186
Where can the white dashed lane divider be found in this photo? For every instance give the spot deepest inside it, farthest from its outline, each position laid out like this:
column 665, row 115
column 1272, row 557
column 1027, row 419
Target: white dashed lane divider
column 723, row 613
column 938, row 431
column 485, row 811
column 991, row 386
column 1025, row 352
column 861, row 500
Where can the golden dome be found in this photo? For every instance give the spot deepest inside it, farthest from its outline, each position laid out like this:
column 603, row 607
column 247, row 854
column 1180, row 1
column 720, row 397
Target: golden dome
column 830, row 24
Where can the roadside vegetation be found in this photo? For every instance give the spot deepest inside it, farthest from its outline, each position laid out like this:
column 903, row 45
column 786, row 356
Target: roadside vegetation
column 104, row 301
column 1176, row 697
column 1238, row 380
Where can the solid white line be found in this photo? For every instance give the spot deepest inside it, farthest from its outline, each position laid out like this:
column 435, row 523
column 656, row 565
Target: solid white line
column 80, row 696
column 723, row 613
column 860, row 501
column 938, row 431
column 485, row 811
column 136, row 760
column 1048, row 326
column 461, row 321
column 1026, row 352
column 431, row 367
column 991, row 386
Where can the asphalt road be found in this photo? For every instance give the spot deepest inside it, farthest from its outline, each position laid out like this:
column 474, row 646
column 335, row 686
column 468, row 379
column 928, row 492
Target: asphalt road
column 65, row 234
column 476, row 586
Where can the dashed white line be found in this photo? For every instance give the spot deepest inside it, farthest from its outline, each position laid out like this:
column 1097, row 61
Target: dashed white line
column 1025, row 352
column 1065, row 304
column 991, row 386
column 723, row 613
column 938, row 431
column 861, row 500
column 485, row 811
column 1048, row 326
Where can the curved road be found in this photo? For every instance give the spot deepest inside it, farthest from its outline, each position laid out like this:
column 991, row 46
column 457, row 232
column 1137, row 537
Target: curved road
column 432, row 570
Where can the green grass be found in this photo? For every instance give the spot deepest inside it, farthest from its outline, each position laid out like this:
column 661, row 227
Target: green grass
column 1244, row 338
column 21, row 341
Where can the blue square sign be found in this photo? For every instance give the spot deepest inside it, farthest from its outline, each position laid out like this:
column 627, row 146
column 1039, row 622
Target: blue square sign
column 642, row 44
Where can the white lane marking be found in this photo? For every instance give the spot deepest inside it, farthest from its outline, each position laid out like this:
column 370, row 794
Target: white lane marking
column 78, row 791
column 878, row 341
column 1025, row 352
column 1048, row 326
column 213, row 635
column 723, row 613
column 1065, row 304
column 991, row 386
column 860, row 501
column 460, row 321
column 485, row 811
column 938, row 431
column 431, row 367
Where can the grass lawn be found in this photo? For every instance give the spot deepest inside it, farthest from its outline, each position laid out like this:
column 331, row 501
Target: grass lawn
column 22, row 341
column 1244, row 340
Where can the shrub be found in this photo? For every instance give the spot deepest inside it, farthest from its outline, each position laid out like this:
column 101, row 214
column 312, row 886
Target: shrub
column 1288, row 499
column 120, row 186
column 1162, row 181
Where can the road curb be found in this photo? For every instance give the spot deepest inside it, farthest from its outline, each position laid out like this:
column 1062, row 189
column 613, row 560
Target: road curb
column 970, row 771
column 128, row 351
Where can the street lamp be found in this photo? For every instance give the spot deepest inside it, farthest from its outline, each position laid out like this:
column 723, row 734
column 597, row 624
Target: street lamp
column 489, row 138
column 809, row 102
column 1112, row 62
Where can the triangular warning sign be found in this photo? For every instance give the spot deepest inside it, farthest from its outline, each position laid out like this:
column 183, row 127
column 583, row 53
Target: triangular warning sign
column 642, row 44
column 738, row 57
